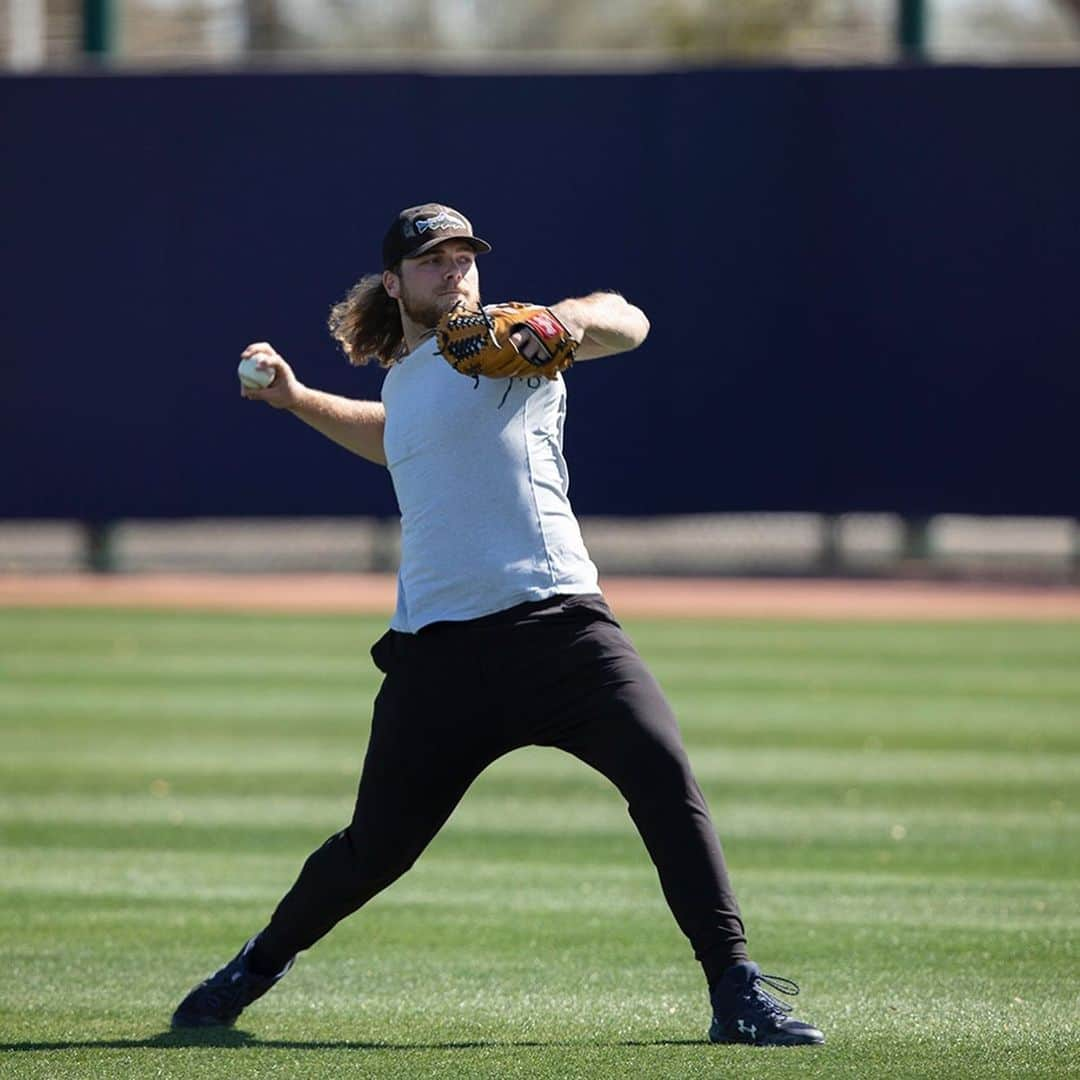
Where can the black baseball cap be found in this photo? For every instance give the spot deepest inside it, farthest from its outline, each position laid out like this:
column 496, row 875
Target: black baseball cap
column 419, row 228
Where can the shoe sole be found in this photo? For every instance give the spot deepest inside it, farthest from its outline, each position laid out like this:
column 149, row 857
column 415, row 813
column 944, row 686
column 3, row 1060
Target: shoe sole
column 772, row 1042
column 179, row 1022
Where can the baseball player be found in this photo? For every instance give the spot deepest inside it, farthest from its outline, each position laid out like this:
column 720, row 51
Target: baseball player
column 501, row 637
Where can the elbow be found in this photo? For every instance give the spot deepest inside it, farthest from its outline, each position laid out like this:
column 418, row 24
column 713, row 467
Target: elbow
column 637, row 326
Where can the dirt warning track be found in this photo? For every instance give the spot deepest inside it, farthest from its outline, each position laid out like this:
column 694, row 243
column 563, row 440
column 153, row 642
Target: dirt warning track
column 629, row 596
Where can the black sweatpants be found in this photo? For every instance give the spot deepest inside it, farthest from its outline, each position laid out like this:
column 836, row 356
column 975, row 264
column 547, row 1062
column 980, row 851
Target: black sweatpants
column 456, row 696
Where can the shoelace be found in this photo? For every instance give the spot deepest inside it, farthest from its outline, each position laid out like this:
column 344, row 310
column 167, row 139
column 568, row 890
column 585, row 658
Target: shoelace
column 226, row 997
column 776, row 1009
column 228, row 990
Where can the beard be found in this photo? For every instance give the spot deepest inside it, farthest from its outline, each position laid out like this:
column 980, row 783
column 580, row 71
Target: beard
column 427, row 312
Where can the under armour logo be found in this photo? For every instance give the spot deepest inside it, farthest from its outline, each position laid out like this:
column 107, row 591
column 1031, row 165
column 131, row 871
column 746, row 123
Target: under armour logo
column 751, row 1030
column 236, row 975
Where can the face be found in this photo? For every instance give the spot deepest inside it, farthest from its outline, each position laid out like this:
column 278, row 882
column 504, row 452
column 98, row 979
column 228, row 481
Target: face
column 432, row 284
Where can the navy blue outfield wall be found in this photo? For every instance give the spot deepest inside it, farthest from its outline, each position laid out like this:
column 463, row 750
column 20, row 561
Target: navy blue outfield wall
column 863, row 284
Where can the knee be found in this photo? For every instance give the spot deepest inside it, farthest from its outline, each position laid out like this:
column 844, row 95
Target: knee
column 353, row 866
column 666, row 777
column 374, row 860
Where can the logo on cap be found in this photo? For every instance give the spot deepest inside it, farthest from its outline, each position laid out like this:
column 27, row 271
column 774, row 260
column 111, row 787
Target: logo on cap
column 442, row 220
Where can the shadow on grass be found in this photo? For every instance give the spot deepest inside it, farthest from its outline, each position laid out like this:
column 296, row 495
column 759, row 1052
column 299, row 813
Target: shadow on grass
column 229, row 1038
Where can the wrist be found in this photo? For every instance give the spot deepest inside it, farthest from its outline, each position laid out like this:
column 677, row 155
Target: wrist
column 301, row 398
column 571, row 314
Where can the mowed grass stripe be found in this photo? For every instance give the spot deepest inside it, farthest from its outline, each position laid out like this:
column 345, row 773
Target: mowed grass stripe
column 898, row 804
column 987, row 851
column 176, row 774
column 69, row 878
column 534, row 810
column 1034, row 678
column 872, row 763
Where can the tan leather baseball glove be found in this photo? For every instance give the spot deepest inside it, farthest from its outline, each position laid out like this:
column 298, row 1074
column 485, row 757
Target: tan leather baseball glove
column 477, row 342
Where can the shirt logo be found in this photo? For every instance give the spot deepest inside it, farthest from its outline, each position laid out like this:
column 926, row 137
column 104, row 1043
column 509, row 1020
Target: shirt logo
column 442, row 220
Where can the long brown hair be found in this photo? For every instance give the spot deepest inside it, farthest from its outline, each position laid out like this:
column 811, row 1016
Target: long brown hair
column 367, row 323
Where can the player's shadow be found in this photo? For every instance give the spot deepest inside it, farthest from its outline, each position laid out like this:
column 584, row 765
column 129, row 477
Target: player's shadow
column 231, row 1038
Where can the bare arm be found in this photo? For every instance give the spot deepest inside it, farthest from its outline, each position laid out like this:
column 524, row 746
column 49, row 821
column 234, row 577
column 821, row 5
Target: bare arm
column 604, row 322
column 356, row 425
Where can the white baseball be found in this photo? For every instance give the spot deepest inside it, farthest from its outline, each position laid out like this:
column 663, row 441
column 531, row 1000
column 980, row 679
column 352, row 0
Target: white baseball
column 253, row 377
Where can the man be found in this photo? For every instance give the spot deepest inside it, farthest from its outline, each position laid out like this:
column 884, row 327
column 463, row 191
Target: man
column 500, row 638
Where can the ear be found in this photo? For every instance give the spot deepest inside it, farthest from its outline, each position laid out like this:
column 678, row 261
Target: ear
column 392, row 284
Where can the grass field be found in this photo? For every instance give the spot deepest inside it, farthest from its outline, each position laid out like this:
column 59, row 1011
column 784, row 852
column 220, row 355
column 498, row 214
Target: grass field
column 899, row 806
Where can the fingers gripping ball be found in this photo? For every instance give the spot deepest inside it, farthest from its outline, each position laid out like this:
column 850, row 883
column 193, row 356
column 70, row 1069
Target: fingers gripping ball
column 252, row 376
column 477, row 342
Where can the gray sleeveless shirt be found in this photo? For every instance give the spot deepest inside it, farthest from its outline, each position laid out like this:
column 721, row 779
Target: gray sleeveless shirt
column 481, row 482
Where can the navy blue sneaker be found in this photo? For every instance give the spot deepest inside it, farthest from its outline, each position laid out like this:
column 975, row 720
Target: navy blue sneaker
column 744, row 1012
column 219, row 1000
